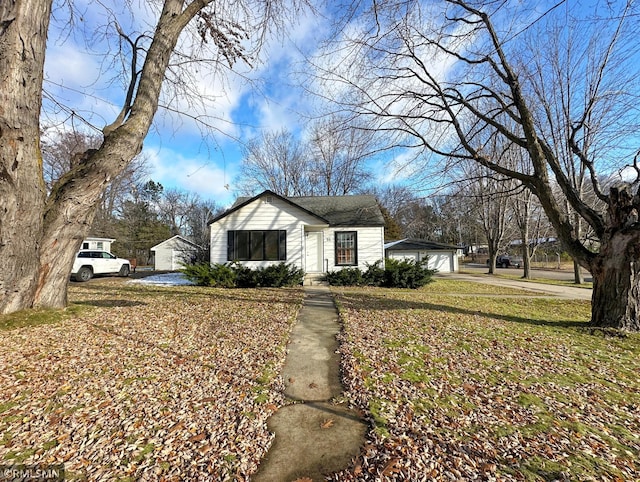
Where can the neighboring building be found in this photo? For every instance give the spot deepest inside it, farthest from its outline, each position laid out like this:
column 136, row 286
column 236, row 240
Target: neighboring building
column 315, row 233
column 443, row 257
column 172, row 254
column 103, row 244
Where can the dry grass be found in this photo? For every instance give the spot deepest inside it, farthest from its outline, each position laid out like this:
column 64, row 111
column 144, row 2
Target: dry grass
column 144, row 383
column 478, row 388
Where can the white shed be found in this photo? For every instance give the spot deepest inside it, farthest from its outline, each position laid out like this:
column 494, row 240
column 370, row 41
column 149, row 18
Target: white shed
column 102, row 244
column 172, row 254
column 443, row 257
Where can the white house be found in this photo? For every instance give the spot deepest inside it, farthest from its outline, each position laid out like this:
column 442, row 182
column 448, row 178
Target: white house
column 315, row 233
column 443, row 257
column 171, row 255
column 103, row 244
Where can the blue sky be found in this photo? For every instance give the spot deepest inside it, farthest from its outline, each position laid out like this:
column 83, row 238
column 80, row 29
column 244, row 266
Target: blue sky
column 240, row 105
column 264, row 97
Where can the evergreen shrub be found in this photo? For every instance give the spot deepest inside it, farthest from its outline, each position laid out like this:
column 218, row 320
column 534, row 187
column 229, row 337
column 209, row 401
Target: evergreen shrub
column 395, row 274
column 236, row 275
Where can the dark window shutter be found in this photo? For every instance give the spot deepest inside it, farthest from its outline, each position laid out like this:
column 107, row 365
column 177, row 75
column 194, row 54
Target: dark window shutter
column 282, row 245
column 230, row 244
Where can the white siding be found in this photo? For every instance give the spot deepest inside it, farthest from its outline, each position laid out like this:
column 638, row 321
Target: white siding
column 162, row 259
column 261, row 215
column 103, row 244
column 443, row 261
column 370, row 246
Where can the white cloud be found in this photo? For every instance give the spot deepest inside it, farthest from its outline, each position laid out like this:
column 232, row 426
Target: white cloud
column 194, row 174
column 66, row 64
column 236, row 103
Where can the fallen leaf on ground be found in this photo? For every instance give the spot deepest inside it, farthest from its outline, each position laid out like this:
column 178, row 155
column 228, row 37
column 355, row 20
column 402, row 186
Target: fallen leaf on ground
column 327, row 423
column 198, row 438
column 392, row 467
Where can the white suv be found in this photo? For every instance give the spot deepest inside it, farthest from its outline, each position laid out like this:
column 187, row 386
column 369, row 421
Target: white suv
column 90, row 262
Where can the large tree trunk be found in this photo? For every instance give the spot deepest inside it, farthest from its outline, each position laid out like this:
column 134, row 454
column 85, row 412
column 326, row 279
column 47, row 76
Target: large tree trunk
column 616, row 283
column 23, row 33
column 40, row 235
column 616, row 268
column 69, row 213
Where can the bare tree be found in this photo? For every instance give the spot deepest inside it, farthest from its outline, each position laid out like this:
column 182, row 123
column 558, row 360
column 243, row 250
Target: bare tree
column 188, row 215
column 173, row 208
column 526, row 213
column 414, row 216
column 452, row 76
column 331, row 163
column 533, row 226
column 40, row 231
column 556, row 90
column 199, row 216
column 492, row 195
column 276, row 161
column 393, row 197
column 339, row 154
column 61, row 151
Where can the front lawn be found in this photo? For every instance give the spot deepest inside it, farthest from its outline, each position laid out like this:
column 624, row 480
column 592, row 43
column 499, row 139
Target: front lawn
column 145, row 383
column 483, row 388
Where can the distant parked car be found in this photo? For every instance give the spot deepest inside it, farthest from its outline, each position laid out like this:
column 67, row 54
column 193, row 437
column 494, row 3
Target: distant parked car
column 508, row 261
column 90, row 262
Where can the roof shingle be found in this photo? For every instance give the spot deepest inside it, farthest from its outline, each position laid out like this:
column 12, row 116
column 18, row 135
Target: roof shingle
column 355, row 210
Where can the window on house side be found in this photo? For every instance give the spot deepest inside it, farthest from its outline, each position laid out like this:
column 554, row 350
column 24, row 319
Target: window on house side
column 346, row 248
column 257, row 245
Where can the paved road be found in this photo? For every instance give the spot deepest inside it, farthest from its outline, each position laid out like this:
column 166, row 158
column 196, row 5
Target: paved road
column 554, row 274
column 539, row 289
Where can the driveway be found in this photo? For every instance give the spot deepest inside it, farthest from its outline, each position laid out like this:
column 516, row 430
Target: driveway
column 541, row 289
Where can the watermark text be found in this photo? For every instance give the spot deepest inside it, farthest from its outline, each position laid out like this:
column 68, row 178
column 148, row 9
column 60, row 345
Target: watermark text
column 31, row 473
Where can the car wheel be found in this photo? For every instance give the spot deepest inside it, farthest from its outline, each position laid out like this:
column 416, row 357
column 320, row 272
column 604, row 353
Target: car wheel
column 504, row 265
column 84, row 274
column 124, row 271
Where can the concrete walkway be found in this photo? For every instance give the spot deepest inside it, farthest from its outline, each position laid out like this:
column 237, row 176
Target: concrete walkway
column 540, row 289
column 313, row 437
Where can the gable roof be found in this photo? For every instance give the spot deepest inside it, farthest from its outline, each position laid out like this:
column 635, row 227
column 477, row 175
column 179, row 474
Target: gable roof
column 177, row 237
column 356, row 210
column 418, row 244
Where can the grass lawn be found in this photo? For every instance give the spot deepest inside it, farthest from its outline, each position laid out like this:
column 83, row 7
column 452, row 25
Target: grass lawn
column 135, row 382
column 482, row 388
column 145, row 383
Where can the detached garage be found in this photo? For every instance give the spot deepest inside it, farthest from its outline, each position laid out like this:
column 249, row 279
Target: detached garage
column 443, row 257
column 171, row 255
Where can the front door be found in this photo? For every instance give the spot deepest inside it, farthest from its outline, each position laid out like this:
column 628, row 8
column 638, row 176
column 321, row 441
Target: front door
column 313, row 248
